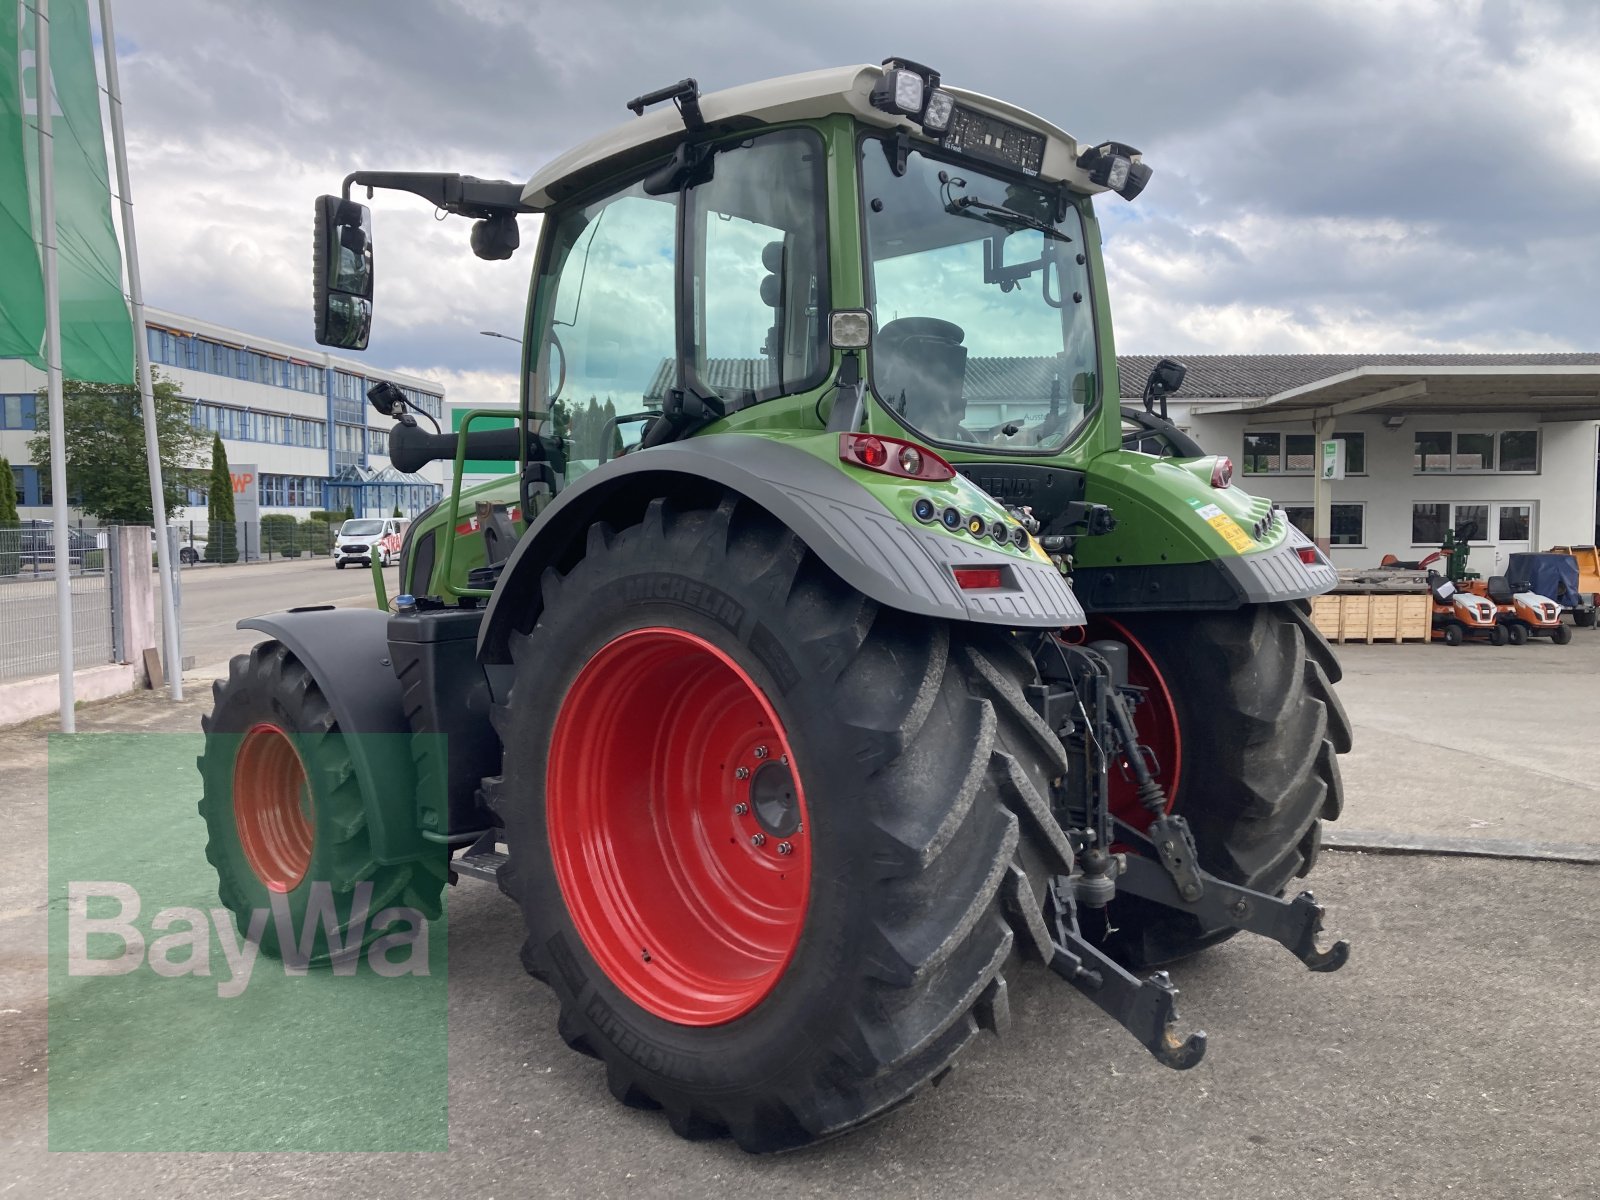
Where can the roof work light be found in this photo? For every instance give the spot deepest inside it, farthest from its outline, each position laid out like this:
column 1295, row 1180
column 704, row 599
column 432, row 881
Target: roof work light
column 1115, row 166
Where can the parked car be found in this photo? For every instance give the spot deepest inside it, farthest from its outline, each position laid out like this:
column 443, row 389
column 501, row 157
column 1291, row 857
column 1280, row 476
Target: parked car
column 360, row 539
column 37, row 547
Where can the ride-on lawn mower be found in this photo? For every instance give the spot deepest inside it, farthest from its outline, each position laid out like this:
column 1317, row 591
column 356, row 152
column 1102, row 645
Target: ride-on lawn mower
column 823, row 653
column 1459, row 614
column 1523, row 612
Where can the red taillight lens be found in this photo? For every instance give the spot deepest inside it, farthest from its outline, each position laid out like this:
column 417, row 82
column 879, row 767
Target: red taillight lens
column 892, row 456
column 1222, row 472
column 977, row 578
column 1309, row 555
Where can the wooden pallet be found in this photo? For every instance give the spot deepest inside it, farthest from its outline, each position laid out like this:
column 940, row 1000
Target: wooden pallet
column 1373, row 617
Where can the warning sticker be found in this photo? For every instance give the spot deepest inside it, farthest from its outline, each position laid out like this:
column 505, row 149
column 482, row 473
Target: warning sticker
column 1229, row 529
column 1208, row 512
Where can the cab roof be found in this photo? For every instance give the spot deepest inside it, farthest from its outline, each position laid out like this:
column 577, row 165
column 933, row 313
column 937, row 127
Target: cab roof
column 806, row 96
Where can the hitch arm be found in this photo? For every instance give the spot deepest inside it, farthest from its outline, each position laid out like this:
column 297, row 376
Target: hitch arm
column 1146, row 1008
column 1294, row 924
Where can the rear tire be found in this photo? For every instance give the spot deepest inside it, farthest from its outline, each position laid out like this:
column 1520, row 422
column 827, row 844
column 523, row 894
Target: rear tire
column 1453, row 635
column 1259, row 729
column 923, row 778
column 1498, row 636
column 283, row 809
column 1518, row 634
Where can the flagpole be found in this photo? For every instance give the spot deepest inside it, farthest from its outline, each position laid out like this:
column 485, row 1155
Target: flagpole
column 171, row 635
column 62, row 560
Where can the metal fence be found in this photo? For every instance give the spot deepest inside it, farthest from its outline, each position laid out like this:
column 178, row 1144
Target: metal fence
column 266, row 540
column 30, row 555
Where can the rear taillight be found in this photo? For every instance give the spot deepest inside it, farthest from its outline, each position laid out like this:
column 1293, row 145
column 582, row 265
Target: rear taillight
column 1222, row 472
column 891, row 456
column 1309, row 555
column 978, row 578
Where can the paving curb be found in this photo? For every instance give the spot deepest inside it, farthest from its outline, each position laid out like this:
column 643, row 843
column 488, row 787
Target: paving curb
column 1373, row 841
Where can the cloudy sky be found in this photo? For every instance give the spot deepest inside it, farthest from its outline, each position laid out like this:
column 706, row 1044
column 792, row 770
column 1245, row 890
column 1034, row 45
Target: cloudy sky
column 1358, row 175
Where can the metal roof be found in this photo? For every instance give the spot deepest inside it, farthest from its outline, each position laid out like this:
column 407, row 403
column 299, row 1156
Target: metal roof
column 1564, row 386
column 1282, row 386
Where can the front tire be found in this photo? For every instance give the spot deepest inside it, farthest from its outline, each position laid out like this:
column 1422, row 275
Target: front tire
column 1561, row 634
column 1518, row 634
column 779, row 997
column 1498, row 636
column 284, row 812
column 1254, row 731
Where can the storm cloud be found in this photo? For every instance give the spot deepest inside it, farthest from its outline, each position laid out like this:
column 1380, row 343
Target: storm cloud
column 1352, row 176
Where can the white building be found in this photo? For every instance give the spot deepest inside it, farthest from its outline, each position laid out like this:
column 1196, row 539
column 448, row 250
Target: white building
column 1500, row 448
column 298, row 419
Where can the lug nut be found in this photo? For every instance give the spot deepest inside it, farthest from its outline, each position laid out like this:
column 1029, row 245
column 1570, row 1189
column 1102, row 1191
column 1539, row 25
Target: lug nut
column 785, row 848
column 742, row 773
column 740, row 809
column 761, row 751
column 758, row 839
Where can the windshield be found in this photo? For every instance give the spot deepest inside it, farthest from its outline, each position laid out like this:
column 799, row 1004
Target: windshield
column 980, row 301
column 360, row 528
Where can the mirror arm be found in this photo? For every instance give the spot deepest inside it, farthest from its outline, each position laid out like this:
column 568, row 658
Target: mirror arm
column 463, row 195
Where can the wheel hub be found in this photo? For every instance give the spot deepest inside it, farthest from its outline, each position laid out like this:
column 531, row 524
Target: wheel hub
column 273, row 808
column 677, row 826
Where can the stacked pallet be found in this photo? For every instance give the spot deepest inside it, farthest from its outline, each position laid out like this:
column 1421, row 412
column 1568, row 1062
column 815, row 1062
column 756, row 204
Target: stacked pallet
column 1373, row 617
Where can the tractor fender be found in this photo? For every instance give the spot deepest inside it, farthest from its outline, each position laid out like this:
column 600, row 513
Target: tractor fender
column 347, row 652
column 843, row 523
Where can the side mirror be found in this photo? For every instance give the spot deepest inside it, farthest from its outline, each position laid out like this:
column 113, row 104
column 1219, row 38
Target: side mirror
column 1166, row 377
column 342, row 273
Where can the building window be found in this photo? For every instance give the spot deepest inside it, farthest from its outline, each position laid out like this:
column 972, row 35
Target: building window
column 1473, row 521
column 1475, row 452
column 17, row 412
column 1519, row 450
column 1347, row 523
column 1271, row 453
column 1515, row 520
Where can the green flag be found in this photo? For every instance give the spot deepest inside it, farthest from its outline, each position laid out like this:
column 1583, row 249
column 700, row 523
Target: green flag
column 96, row 330
column 21, row 286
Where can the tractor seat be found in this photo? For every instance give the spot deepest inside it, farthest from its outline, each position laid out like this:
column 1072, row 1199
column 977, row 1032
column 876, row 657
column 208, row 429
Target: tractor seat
column 919, row 368
column 1498, row 589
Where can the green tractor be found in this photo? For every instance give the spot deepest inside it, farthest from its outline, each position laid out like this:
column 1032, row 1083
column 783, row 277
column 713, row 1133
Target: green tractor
column 835, row 640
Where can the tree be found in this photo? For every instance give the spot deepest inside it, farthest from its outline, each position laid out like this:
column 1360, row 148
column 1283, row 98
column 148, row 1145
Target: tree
column 8, row 494
column 222, row 541
column 349, row 512
column 10, row 541
column 397, row 512
column 105, row 448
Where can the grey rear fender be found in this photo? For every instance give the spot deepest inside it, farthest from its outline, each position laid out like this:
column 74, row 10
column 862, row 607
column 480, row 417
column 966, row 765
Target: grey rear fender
column 898, row 565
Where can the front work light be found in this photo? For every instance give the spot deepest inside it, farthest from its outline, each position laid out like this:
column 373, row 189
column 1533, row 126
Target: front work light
column 941, row 104
column 900, row 90
column 1117, row 167
column 849, row 328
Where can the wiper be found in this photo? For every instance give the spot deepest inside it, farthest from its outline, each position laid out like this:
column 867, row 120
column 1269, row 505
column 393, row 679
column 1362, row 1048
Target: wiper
column 1000, row 215
column 994, row 214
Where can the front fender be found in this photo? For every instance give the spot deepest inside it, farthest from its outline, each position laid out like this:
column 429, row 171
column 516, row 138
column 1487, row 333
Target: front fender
column 899, row 565
column 347, row 652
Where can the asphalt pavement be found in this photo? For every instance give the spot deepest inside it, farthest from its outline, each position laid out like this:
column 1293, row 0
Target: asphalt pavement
column 1456, row 1054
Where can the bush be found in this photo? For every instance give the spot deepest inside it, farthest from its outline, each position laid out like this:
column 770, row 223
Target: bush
column 326, row 516
column 315, row 537
column 94, row 560
column 278, row 534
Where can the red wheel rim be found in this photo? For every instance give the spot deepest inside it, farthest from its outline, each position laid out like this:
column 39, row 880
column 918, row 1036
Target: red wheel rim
column 1155, row 719
column 272, row 808
column 678, row 826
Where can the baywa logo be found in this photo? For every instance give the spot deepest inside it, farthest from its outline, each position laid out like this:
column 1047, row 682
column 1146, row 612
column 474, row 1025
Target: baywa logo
column 185, row 944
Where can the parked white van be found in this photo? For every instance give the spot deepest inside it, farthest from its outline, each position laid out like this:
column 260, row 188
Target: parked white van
column 361, row 538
